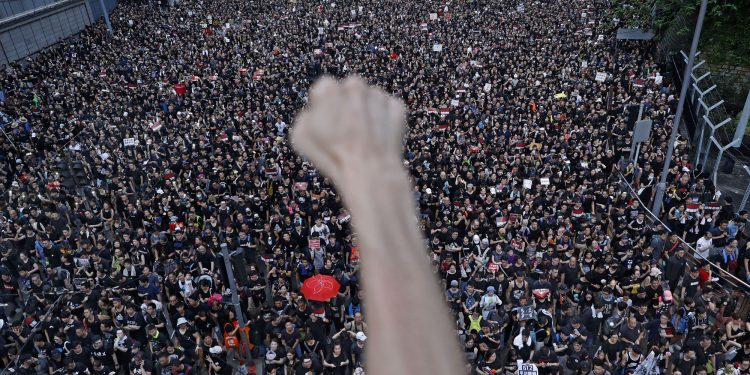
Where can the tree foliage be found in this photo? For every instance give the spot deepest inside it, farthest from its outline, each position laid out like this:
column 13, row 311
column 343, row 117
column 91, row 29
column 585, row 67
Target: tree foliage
column 726, row 31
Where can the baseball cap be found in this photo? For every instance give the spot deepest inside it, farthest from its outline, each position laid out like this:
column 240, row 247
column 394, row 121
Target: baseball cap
column 360, row 336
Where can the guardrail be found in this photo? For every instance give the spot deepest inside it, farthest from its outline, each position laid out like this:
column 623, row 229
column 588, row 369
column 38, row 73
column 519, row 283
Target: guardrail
column 693, row 256
column 30, row 337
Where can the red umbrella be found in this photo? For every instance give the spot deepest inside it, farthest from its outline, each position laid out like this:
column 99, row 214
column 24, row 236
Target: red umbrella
column 320, row 288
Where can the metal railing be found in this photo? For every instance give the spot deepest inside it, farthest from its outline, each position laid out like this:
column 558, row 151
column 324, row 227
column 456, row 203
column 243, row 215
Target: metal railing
column 30, row 338
column 716, row 146
column 694, row 257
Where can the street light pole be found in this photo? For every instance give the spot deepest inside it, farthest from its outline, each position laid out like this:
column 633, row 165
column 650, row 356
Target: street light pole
column 105, row 13
column 662, row 185
column 236, row 302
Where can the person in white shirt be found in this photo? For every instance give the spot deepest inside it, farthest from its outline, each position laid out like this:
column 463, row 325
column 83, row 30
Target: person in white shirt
column 704, row 245
column 321, row 230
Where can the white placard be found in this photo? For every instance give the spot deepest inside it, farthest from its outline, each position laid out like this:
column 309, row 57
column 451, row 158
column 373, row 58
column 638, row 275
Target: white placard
column 544, row 181
column 601, row 77
column 437, row 47
column 128, row 142
column 526, row 184
column 487, row 87
column 433, row 16
column 320, row 31
column 528, row 369
column 584, row 64
column 454, row 102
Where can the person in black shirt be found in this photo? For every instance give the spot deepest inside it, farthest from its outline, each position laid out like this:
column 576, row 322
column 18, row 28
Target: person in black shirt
column 612, row 348
column 289, row 336
column 255, row 290
column 158, row 341
column 685, row 363
column 313, row 349
column 103, row 353
column 570, row 272
column 336, row 363
column 79, row 354
column 357, row 350
column 163, row 365
column 194, row 306
column 74, row 368
column 217, row 364
column 153, row 317
column 654, row 291
column 57, row 362
column 139, row 366
column 42, row 350
column 690, row 283
column 698, row 323
column 546, row 361
column 705, row 352
column 598, row 277
column 316, row 328
column 134, row 324
column 577, row 358
column 641, row 297
column 26, row 366
column 100, row 369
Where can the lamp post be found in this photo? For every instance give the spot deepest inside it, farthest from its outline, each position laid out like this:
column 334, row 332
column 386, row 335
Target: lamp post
column 105, row 13
column 662, row 185
column 236, row 301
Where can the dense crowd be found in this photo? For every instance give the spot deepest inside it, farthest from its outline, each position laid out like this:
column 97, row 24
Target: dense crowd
column 518, row 136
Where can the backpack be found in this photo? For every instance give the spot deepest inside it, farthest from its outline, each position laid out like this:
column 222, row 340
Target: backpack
column 680, row 322
column 469, row 299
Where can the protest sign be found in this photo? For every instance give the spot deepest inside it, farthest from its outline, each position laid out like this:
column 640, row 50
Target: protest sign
column 528, row 369
column 314, row 243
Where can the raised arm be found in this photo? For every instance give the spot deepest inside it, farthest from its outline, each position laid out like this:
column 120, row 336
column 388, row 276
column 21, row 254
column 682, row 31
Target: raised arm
column 354, row 134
